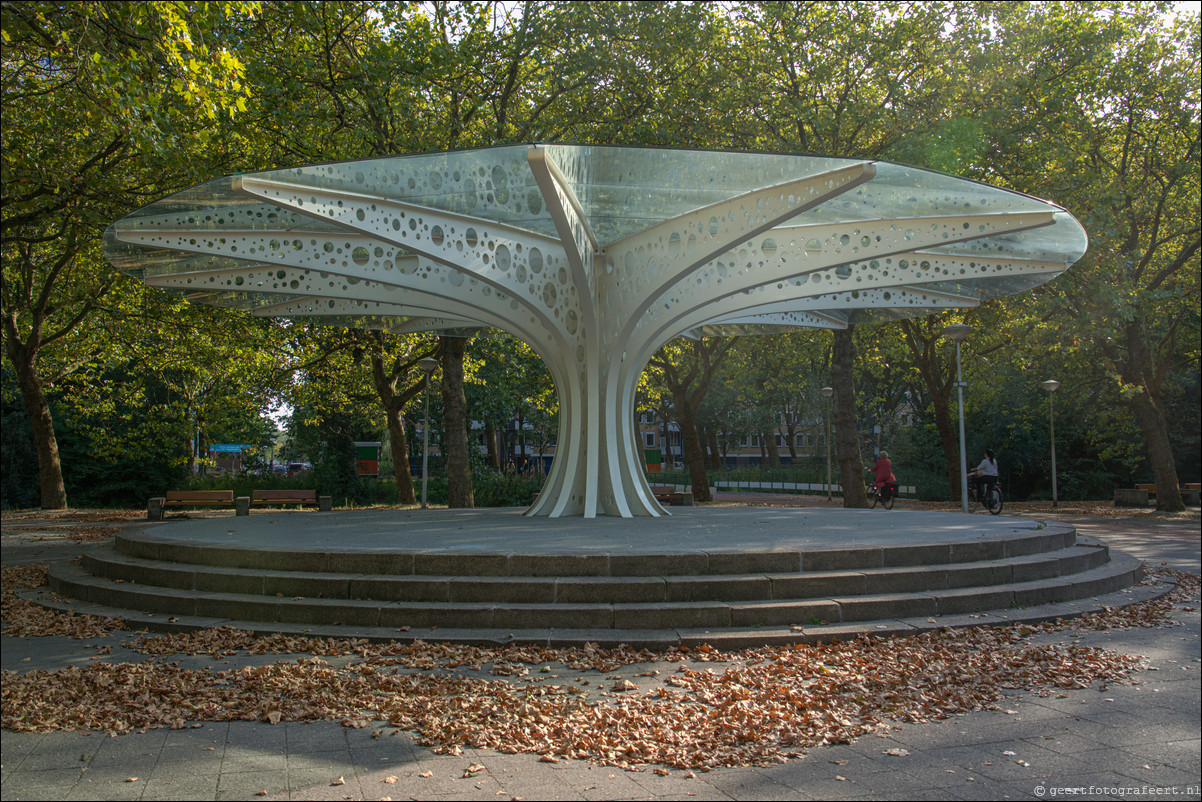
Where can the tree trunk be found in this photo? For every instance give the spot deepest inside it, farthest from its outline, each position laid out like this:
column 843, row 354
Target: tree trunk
column 494, row 453
column 454, row 441
column 771, row 447
column 847, row 443
column 694, row 459
column 37, row 408
column 1141, row 370
column 400, row 457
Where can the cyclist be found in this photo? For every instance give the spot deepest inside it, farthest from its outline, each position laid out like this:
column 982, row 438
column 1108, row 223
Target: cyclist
column 882, row 475
column 984, row 476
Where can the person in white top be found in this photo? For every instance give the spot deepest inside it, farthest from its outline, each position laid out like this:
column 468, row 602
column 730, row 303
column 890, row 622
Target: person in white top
column 984, row 476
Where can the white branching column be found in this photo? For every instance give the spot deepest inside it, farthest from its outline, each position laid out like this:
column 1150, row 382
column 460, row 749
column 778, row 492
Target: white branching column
column 595, row 257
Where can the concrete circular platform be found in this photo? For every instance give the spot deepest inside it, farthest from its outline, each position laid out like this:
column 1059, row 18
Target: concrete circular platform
column 507, row 530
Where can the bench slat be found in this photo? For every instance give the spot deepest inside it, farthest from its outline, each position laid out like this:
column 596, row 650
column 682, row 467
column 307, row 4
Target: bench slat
column 199, row 497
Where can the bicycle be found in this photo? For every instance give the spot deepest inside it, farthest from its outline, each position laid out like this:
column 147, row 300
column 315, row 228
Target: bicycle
column 992, row 500
column 884, row 496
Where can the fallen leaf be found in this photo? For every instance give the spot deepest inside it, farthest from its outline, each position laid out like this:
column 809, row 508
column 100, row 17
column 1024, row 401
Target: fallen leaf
column 390, row 779
column 339, row 781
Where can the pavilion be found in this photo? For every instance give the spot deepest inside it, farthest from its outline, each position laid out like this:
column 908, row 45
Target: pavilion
column 596, row 256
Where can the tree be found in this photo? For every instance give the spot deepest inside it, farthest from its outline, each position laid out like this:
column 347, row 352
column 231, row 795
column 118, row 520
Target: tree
column 687, row 371
column 393, row 360
column 1115, row 137
column 101, row 103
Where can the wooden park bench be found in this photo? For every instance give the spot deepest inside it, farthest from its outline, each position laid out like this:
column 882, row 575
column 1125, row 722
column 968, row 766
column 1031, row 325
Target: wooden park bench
column 189, row 498
column 264, row 498
column 672, row 497
column 1151, row 488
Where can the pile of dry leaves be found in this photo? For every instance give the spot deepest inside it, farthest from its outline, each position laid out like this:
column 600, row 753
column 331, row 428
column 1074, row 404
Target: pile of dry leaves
column 24, row 618
column 748, row 707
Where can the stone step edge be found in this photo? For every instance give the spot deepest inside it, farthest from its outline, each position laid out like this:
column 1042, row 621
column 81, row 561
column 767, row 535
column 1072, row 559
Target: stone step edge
column 72, row 581
column 114, row 565
column 1046, row 536
column 654, row 640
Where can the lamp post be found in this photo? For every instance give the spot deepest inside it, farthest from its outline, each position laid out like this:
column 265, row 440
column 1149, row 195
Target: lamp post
column 1051, row 385
column 428, row 366
column 828, row 392
column 958, row 333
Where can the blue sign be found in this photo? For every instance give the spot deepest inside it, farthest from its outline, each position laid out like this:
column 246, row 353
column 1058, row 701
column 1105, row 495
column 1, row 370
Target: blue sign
column 227, row 447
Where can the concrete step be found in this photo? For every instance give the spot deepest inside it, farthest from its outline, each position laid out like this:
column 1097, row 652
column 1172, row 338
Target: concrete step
column 269, row 610
column 549, row 563
column 110, row 564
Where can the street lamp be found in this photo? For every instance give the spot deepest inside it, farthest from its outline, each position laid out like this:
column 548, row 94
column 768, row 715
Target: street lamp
column 1051, row 385
column 958, row 333
column 428, row 366
column 828, row 392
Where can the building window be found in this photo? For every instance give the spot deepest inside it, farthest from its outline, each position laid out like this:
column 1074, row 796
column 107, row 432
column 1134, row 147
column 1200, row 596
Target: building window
column 650, row 439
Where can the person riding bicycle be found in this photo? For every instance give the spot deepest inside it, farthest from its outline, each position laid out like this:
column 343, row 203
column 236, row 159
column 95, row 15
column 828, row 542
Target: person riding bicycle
column 882, row 475
column 984, row 476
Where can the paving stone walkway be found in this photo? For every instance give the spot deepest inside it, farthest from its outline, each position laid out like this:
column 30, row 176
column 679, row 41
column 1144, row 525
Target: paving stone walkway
column 1120, row 741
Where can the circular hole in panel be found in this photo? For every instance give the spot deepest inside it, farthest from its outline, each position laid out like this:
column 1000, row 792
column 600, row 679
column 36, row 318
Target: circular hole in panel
column 550, row 294
column 470, row 237
column 328, row 247
column 713, row 226
column 535, row 260
column 813, row 247
column 378, row 251
column 359, row 177
column 396, row 224
column 520, row 274
column 503, row 257
column 768, row 247
column 435, row 180
column 238, row 281
column 294, row 284
column 455, row 278
column 388, row 265
column 865, row 241
column 571, row 322
column 562, row 275
column 409, row 267
column 925, row 265
column 535, row 201
column 280, row 274
column 909, row 233
column 360, row 215
column 674, row 244
column 843, row 271
column 844, row 240
column 360, row 256
column 274, row 244
column 436, row 235
column 904, row 264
